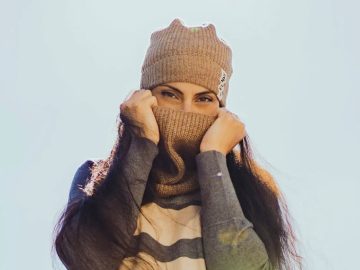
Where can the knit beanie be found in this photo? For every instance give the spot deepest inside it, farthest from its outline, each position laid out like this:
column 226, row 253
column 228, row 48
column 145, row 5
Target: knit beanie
column 196, row 55
column 174, row 168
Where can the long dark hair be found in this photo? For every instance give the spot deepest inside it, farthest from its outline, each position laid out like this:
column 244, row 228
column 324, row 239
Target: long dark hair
column 87, row 235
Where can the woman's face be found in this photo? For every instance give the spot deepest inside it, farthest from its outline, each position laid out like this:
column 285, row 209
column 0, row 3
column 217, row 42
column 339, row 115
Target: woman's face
column 186, row 96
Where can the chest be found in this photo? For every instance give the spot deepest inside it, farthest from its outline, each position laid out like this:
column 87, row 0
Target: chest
column 168, row 238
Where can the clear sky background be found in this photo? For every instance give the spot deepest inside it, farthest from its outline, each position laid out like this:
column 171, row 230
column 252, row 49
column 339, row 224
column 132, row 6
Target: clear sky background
column 65, row 67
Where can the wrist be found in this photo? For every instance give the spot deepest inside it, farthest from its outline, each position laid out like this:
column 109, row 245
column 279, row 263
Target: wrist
column 205, row 149
column 152, row 138
column 147, row 135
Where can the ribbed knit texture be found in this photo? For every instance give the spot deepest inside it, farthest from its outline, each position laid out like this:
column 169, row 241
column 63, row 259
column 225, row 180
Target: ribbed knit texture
column 174, row 168
column 188, row 54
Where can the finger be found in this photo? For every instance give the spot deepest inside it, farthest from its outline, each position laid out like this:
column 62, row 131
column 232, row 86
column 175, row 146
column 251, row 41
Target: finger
column 149, row 100
column 230, row 114
column 221, row 111
column 130, row 94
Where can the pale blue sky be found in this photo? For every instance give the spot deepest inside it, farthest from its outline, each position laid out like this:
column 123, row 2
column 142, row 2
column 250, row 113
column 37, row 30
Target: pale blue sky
column 65, row 67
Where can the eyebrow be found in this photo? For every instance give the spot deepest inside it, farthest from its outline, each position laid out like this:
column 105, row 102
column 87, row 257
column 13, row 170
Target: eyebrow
column 177, row 90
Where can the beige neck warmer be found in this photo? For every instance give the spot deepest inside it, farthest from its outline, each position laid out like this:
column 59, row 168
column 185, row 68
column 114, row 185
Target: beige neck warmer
column 174, row 168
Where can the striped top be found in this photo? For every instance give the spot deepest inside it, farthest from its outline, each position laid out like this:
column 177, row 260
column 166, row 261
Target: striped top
column 206, row 229
column 168, row 235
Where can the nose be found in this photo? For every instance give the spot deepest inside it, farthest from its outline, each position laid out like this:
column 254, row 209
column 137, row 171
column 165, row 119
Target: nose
column 187, row 107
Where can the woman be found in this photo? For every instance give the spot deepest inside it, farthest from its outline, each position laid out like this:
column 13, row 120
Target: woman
column 180, row 189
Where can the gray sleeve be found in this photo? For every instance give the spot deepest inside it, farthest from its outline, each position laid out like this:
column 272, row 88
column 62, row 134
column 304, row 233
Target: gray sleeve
column 135, row 167
column 87, row 214
column 229, row 239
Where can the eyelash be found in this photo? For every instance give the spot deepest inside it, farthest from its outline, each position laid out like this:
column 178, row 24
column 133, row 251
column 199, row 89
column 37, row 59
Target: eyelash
column 164, row 93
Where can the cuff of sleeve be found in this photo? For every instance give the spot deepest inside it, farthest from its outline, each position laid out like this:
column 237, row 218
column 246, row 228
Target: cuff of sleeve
column 211, row 163
column 217, row 190
column 144, row 145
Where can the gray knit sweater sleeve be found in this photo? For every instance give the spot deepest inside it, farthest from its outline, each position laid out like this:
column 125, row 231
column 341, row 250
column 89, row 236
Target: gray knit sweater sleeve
column 229, row 239
column 136, row 167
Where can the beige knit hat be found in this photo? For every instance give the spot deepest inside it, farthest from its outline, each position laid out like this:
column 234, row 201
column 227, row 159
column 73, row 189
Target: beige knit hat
column 179, row 53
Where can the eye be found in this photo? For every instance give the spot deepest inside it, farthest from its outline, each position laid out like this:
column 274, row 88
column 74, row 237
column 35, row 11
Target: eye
column 166, row 93
column 208, row 98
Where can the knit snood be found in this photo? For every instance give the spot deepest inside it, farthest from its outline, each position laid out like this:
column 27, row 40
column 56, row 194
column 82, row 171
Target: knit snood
column 174, row 168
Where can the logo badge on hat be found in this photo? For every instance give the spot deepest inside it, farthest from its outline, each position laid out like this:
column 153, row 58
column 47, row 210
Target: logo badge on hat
column 222, row 82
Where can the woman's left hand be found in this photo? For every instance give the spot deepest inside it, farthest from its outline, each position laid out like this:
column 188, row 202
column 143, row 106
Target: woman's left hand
column 224, row 134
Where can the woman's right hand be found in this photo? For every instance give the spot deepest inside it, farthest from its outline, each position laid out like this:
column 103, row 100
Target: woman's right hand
column 138, row 109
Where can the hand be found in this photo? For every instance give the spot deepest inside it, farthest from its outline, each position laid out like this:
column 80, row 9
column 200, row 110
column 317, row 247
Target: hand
column 138, row 109
column 224, row 134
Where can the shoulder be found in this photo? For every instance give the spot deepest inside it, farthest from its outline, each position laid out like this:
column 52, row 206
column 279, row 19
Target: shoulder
column 86, row 164
column 84, row 168
column 81, row 176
